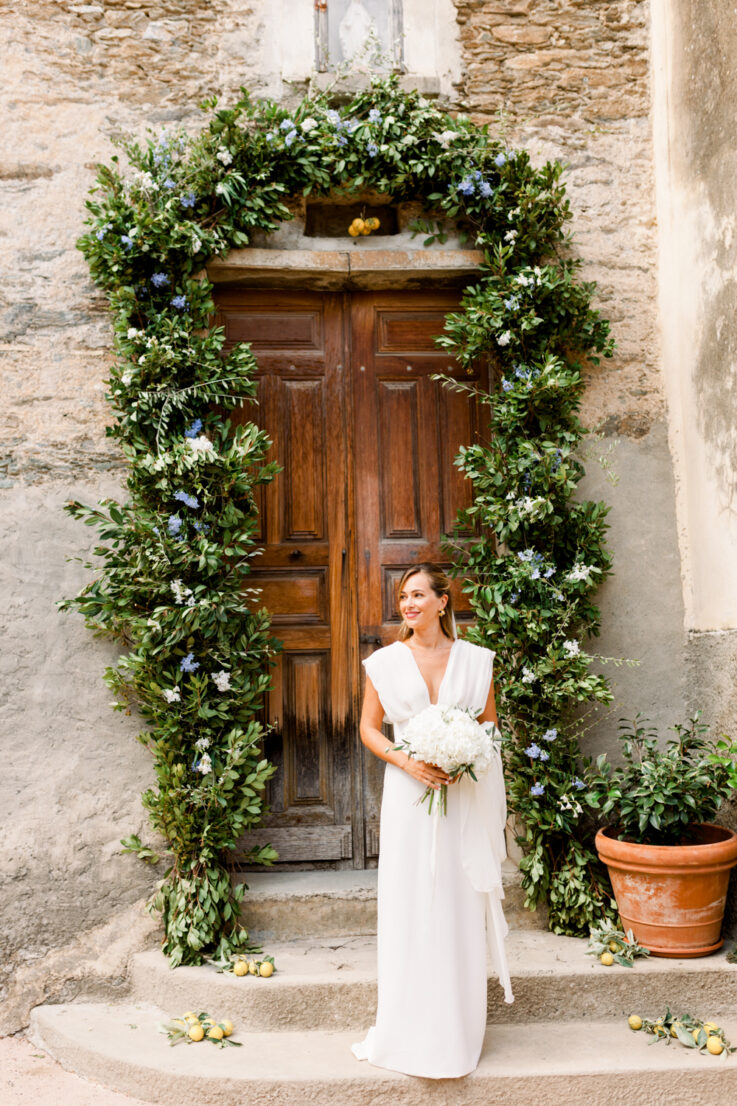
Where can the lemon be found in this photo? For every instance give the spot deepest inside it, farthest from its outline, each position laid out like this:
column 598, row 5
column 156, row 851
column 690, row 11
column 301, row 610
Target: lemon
column 674, row 1029
column 354, row 233
column 606, row 959
column 373, row 223
column 711, row 1027
column 660, row 1031
column 252, row 967
column 227, row 1027
column 365, row 229
column 196, row 1032
column 714, row 1045
column 634, row 1021
column 695, row 1034
column 266, row 969
column 240, row 968
column 190, row 1016
column 216, row 1033
column 614, row 946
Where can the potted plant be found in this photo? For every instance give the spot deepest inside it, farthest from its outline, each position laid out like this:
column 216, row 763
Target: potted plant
column 669, row 864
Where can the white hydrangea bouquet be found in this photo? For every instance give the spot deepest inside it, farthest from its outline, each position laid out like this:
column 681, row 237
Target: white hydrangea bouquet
column 452, row 739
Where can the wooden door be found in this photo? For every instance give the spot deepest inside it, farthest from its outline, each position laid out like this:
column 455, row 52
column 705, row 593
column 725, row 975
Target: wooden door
column 408, row 429
column 366, row 441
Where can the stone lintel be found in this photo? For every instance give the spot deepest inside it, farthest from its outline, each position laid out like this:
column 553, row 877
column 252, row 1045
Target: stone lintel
column 329, row 270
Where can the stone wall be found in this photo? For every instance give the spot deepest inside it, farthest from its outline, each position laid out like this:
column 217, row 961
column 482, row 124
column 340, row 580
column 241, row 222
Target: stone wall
column 571, row 79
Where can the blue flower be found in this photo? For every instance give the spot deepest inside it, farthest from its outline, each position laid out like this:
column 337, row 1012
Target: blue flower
column 550, row 735
column 333, row 117
column 533, row 751
column 159, row 280
column 466, row 187
column 189, row 664
column 169, row 183
column 290, row 138
column 535, row 574
column 187, row 500
column 352, row 125
column 180, row 302
column 372, row 149
column 514, row 598
column 375, row 116
column 174, row 525
column 270, row 136
column 549, row 572
column 201, row 527
column 127, row 241
column 286, row 125
column 500, row 160
column 579, row 784
column 507, row 385
column 486, row 190
column 511, row 303
column 189, row 200
column 537, row 789
column 544, row 755
column 341, row 140
column 194, row 429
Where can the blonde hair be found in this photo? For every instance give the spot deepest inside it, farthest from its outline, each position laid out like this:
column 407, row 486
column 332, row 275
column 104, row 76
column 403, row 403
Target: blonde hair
column 440, row 584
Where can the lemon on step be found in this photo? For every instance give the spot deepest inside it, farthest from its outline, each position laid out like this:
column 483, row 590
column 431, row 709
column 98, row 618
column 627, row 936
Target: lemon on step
column 266, row 969
column 353, row 231
column 215, row 1033
column 240, row 968
column 614, row 946
column 252, row 967
column 711, row 1027
column 226, row 1026
column 196, row 1032
column 674, row 1029
column 606, row 959
column 634, row 1021
column 695, row 1034
column 714, row 1045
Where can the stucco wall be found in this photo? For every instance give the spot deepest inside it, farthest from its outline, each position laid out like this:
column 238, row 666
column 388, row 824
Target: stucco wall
column 571, row 78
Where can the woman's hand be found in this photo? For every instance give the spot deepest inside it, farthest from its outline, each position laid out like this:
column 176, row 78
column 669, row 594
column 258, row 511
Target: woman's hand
column 428, row 774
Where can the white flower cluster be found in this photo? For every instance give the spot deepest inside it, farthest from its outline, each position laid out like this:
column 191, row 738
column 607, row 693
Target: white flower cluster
column 309, row 124
column 224, row 156
column 528, row 676
column 204, row 765
column 504, row 339
column 221, row 680
column 172, row 695
column 445, row 137
column 530, row 507
column 451, row 738
column 202, row 743
column 572, row 648
column 580, row 573
column 182, row 594
column 567, row 802
column 201, row 444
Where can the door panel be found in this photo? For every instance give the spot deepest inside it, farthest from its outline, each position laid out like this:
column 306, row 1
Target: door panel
column 366, row 440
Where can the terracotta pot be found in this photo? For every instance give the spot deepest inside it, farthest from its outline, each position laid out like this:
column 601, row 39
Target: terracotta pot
column 672, row 896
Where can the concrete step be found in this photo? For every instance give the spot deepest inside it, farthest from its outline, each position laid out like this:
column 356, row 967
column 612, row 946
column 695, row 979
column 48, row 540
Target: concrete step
column 330, row 984
column 284, row 906
column 592, row 1063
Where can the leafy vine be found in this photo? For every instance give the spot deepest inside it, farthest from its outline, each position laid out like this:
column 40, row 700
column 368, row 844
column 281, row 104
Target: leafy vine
column 173, row 583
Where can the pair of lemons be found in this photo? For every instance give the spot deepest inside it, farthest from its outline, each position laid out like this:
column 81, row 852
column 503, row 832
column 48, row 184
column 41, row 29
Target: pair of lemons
column 363, row 226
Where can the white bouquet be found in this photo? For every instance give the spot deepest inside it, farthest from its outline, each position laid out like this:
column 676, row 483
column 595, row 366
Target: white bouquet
column 451, row 739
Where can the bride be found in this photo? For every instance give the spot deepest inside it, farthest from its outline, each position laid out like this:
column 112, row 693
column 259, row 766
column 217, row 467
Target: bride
column 439, row 893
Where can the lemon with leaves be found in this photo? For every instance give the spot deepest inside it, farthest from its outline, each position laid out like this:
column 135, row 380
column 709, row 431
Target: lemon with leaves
column 373, row 223
column 195, row 1032
column 711, row 1027
column 252, row 967
column 266, row 968
column 215, row 1033
column 634, row 1021
column 714, row 1044
column 227, row 1027
column 606, row 959
column 240, row 968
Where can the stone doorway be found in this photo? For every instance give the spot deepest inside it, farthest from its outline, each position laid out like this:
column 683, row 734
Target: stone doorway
column 366, row 439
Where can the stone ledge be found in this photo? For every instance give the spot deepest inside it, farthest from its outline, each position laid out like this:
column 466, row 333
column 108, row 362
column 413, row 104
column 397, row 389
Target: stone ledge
column 332, row 270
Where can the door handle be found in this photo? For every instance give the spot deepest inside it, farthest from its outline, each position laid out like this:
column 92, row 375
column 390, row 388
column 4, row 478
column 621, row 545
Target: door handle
column 369, row 639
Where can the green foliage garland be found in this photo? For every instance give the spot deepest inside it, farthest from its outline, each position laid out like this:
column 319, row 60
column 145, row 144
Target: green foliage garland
column 176, row 557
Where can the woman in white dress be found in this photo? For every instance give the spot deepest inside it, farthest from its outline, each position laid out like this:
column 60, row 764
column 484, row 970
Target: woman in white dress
column 440, row 887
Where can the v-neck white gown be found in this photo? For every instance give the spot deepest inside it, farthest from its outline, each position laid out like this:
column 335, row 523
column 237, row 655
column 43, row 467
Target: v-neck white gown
column 431, row 947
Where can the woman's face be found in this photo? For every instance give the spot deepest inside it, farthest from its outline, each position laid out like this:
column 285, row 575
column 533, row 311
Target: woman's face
column 419, row 606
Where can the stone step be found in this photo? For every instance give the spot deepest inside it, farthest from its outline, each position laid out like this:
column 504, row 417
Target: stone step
column 284, row 906
column 330, row 984
column 594, row 1063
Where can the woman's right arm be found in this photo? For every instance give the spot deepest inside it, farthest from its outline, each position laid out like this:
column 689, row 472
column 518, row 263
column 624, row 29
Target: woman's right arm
column 372, row 717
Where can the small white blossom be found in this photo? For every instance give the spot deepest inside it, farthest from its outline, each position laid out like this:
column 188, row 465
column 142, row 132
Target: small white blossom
column 567, row 802
column 530, row 507
column 172, row 695
column 579, row 572
column 202, row 743
column 221, row 680
column 142, row 359
column 445, row 137
column 195, row 245
column 572, row 648
column 224, row 156
column 510, row 236
column 133, row 332
column 126, row 378
column 182, row 594
column 504, row 339
column 221, row 188
column 528, row 676
column 205, row 764
column 524, row 280
column 309, row 124
column 201, row 444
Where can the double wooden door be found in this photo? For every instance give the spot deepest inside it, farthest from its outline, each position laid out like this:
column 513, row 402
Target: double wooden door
column 366, row 440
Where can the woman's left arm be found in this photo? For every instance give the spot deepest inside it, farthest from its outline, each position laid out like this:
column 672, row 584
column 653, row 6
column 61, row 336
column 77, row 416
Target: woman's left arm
column 488, row 714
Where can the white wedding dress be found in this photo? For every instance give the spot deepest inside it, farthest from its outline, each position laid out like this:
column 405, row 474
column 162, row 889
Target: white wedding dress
column 440, row 887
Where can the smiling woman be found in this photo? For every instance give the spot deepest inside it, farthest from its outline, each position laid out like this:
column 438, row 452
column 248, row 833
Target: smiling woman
column 439, row 890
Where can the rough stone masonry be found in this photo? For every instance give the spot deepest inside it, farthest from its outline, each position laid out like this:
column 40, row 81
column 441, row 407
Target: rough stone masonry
column 568, row 78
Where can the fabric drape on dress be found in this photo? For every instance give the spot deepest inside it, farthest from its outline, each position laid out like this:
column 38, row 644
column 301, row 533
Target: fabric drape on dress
column 440, row 886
